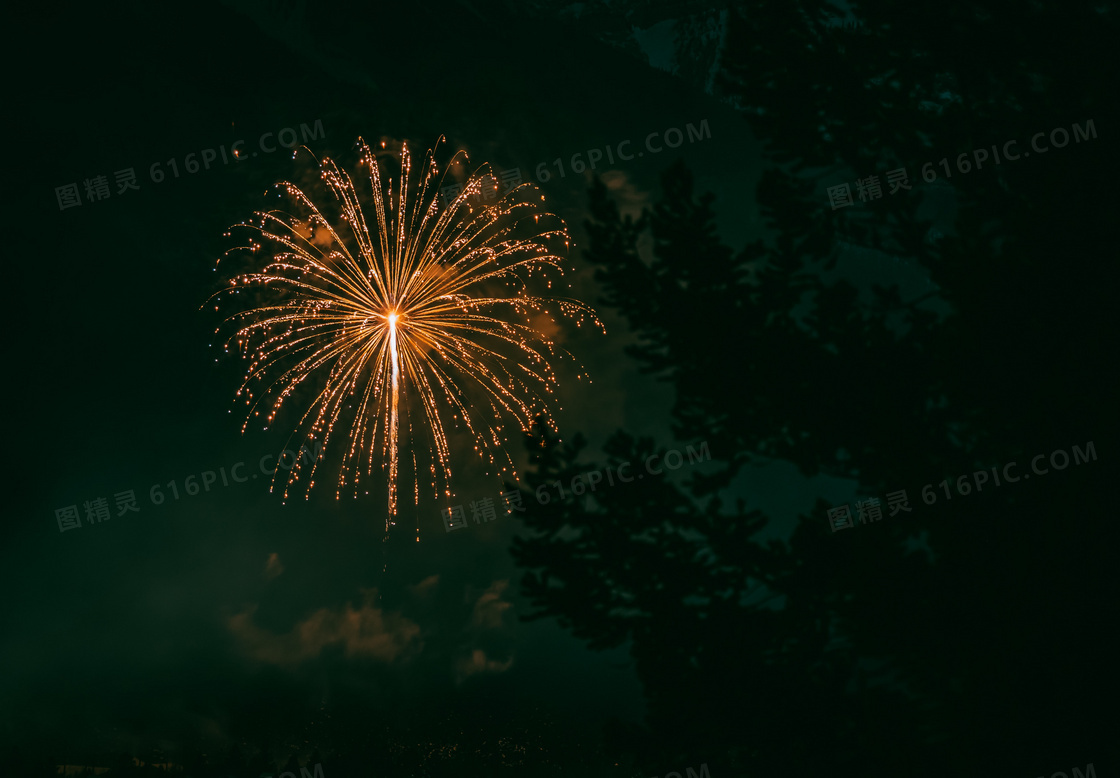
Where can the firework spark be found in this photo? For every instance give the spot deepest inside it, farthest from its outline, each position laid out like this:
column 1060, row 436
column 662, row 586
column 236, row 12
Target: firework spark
column 384, row 323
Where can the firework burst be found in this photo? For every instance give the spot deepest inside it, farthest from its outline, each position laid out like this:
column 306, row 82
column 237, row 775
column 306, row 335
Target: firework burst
column 392, row 314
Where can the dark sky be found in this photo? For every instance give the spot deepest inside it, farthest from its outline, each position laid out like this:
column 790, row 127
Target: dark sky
column 186, row 620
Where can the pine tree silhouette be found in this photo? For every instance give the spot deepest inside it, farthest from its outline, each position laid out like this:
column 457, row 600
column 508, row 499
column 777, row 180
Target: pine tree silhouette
column 875, row 654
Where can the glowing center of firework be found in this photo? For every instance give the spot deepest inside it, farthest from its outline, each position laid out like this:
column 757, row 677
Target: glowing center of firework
column 393, row 413
column 393, row 348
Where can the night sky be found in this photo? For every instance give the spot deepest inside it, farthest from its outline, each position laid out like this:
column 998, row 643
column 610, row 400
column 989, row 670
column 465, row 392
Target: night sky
column 229, row 618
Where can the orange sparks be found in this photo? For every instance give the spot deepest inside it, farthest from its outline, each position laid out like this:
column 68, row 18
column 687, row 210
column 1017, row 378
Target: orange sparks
column 384, row 315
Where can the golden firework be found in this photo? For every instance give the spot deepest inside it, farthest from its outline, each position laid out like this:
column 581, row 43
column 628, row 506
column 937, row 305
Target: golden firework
column 403, row 314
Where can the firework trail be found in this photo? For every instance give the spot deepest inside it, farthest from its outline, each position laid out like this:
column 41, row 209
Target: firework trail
column 384, row 312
